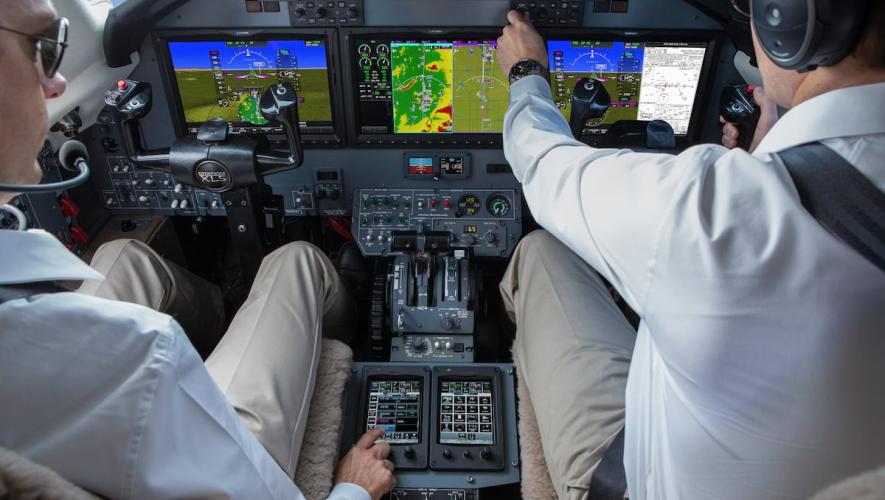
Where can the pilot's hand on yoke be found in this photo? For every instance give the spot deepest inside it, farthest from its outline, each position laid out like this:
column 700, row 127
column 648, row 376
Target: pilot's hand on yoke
column 519, row 41
column 366, row 465
column 767, row 118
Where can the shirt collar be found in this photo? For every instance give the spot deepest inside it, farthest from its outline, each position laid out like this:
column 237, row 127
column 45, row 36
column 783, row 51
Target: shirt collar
column 847, row 112
column 35, row 256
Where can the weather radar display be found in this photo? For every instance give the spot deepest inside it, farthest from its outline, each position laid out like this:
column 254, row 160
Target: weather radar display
column 646, row 81
column 430, row 86
column 225, row 79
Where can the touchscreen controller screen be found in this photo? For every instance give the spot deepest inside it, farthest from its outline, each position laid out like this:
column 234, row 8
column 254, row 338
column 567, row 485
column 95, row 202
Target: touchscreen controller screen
column 466, row 412
column 646, row 80
column 225, row 79
column 395, row 406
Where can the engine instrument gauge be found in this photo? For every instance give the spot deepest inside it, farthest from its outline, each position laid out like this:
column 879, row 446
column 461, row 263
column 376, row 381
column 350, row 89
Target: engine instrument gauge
column 499, row 205
column 468, row 205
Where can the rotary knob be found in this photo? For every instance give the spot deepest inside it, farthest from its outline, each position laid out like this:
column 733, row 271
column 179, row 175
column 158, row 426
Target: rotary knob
column 322, row 12
column 486, row 453
column 409, row 452
column 300, row 12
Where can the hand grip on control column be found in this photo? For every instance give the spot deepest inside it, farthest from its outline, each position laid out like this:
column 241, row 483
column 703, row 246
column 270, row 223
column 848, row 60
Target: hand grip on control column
column 279, row 103
column 589, row 100
column 738, row 106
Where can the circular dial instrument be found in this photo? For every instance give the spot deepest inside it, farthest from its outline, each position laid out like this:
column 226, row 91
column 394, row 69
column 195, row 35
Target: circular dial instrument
column 468, row 205
column 499, row 205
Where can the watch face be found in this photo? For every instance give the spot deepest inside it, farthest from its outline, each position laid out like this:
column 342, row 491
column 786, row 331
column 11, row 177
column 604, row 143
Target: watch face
column 523, row 68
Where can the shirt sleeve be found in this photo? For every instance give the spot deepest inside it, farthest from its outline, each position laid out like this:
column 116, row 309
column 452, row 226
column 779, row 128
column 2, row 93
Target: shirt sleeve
column 349, row 491
column 607, row 205
column 192, row 443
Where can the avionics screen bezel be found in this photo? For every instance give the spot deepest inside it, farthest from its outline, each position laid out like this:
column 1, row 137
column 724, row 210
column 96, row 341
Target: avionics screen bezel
column 327, row 35
column 713, row 40
column 351, row 38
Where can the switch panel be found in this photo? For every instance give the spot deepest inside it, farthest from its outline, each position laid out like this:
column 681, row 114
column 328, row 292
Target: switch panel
column 435, row 348
column 486, row 221
column 549, row 13
column 142, row 188
column 326, row 12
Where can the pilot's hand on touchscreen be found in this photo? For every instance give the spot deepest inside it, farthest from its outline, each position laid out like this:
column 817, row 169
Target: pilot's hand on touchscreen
column 519, row 41
column 366, row 465
column 767, row 119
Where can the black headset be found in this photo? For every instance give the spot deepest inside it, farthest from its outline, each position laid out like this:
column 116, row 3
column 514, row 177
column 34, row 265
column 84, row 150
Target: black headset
column 804, row 34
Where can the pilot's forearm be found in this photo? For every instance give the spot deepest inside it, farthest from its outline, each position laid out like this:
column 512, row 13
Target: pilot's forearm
column 605, row 204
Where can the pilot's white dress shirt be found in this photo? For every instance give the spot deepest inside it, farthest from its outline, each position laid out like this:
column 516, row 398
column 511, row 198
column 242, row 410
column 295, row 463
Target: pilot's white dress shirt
column 113, row 396
column 759, row 365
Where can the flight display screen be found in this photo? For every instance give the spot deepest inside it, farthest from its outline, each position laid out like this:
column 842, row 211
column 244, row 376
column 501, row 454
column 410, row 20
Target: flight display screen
column 395, row 406
column 429, row 86
column 466, row 412
column 226, row 78
column 646, row 80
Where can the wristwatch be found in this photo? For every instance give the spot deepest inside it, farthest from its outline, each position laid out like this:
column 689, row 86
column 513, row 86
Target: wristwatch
column 526, row 67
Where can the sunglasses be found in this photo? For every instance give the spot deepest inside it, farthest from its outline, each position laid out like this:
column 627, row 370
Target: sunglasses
column 51, row 44
column 742, row 7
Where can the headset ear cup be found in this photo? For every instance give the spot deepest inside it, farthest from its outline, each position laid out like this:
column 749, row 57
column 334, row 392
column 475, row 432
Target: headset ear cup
column 785, row 29
column 804, row 34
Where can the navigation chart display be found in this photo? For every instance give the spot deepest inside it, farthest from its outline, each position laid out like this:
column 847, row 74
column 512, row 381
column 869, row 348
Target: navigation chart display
column 225, row 79
column 646, row 80
column 429, row 87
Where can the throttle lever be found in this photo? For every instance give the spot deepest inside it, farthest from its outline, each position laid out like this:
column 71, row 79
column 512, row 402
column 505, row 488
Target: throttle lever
column 589, row 100
column 738, row 107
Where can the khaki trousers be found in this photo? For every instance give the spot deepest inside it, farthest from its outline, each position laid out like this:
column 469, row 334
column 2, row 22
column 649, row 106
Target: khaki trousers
column 573, row 347
column 266, row 362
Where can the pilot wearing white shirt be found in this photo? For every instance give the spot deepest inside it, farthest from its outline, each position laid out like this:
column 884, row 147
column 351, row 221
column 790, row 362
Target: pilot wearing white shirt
column 757, row 368
column 109, row 392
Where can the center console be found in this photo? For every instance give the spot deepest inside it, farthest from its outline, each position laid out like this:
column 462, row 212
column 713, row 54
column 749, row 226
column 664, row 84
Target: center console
column 451, row 428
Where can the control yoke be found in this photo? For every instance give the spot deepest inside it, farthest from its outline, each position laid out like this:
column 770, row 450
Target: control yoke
column 244, row 158
column 230, row 164
column 589, row 100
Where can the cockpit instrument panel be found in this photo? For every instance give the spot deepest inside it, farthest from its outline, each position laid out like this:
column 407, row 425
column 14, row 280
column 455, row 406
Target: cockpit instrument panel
column 217, row 76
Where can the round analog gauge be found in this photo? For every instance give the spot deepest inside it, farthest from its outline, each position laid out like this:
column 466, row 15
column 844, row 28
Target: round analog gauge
column 365, row 62
column 499, row 205
column 364, row 50
column 383, row 62
column 383, row 50
column 468, row 205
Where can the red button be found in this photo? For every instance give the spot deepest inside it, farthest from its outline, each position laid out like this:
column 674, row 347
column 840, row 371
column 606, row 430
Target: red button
column 122, row 85
column 751, row 89
column 68, row 207
column 433, row 202
column 446, row 203
column 78, row 234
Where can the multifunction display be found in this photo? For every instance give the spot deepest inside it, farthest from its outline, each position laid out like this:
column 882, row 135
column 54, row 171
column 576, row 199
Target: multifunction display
column 466, row 412
column 395, row 406
column 226, row 78
column 646, row 80
column 429, row 86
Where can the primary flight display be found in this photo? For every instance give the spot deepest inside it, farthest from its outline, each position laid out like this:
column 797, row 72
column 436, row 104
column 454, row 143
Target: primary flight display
column 225, row 79
column 430, row 86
